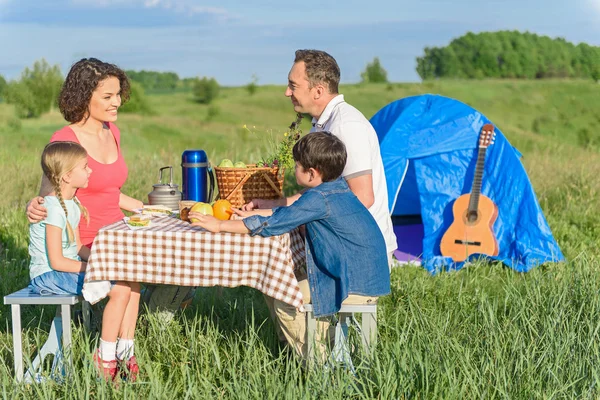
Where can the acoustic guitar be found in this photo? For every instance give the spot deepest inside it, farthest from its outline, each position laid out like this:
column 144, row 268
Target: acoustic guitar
column 474, row 214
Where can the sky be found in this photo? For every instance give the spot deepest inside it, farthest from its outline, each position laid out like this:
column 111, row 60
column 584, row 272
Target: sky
column 234, row 40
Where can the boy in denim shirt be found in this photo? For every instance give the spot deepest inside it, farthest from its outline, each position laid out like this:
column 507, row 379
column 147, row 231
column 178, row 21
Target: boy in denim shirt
column 346, row 258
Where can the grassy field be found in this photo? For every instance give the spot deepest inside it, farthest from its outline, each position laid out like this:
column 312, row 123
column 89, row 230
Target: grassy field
column 482, row 332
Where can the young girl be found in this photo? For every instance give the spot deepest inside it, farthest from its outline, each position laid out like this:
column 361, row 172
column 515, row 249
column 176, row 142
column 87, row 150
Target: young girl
column 58, row 258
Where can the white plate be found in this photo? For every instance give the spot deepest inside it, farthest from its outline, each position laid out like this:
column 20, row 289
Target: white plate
column 135, row 228
column 155, row 214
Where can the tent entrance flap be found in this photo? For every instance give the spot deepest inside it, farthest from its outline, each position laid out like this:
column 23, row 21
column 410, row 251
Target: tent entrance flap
column 409, row 237
column 407, row 201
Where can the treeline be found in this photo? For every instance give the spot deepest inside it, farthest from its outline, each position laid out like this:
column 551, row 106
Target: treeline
column 36, row 91
column 152, row 80
column 509, row 54
column 161, row 81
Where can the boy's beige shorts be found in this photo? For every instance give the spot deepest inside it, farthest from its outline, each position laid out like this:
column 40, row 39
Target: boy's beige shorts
column 291, row 323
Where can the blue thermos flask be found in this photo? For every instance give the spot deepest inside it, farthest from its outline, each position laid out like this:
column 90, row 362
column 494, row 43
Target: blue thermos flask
column 198, row 179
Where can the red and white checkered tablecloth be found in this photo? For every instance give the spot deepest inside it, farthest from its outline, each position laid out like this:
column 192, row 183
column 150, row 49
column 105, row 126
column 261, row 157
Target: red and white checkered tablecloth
column 173, row 252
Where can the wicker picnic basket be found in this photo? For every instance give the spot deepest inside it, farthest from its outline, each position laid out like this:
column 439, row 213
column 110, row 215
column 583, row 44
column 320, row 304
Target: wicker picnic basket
column 241, row 185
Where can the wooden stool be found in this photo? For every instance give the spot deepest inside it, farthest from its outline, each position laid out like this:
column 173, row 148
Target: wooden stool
column 367, row 330
column 61, row 326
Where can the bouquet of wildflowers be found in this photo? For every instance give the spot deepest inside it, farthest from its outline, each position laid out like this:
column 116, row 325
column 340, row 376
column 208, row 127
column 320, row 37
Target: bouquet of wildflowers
column 281, row 155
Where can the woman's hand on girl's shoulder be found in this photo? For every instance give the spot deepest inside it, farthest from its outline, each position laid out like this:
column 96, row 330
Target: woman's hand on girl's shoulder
column 36, row 212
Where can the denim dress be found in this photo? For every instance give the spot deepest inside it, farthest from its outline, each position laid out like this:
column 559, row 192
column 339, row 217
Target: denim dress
column 345, row 250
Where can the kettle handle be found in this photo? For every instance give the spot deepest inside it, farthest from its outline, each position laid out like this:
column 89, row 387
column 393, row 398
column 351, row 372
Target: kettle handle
column 171, row 177
column 212, row 189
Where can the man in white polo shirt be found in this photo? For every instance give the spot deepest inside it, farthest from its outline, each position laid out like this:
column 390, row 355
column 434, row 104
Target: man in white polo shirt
column 313, row 88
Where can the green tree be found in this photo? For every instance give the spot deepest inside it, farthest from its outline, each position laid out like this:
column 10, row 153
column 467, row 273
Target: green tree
column 205, row 90
column 167, row 81
column 426, row 65
column 138, row 103
column 3, row 85
column 374, row 72
column 188, row 83
column 153, row 80
column 22, row 97
column 37, row 90
column 596, row 73
column 252, row 86
column 508, row 54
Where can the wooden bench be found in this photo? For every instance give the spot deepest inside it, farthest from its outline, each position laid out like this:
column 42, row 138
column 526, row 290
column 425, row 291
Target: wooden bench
column 367, row 330
column 61, row 326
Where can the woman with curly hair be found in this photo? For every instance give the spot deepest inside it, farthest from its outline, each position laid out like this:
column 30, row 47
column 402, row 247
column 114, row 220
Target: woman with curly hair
column 90, row 98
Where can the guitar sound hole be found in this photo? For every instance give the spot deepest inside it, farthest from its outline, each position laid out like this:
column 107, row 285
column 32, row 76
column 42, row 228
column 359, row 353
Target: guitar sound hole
column 472, row 216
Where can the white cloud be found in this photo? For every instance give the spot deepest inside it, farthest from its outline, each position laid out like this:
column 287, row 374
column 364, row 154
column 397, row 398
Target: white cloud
column 209, row 10
column 189, row 7
column 161, row 3
column 103, row 3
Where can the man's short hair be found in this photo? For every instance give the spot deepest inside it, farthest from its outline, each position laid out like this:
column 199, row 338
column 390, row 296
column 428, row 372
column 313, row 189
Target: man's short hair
column 320, row 68
column 322, row 151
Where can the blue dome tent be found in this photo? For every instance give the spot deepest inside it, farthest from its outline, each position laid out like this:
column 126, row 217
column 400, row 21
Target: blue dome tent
column 429, row 149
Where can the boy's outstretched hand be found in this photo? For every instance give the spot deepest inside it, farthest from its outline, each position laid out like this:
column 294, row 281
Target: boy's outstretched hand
column 207, row 222
column 215, row 225
column 244, row 214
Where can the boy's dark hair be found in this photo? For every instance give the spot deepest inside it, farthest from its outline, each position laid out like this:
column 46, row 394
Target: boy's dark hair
column 320, row 68
column 81, row 81
column 322, row 151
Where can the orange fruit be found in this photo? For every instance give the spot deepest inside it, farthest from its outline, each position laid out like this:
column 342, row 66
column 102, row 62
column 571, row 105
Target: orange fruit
column 222, row 210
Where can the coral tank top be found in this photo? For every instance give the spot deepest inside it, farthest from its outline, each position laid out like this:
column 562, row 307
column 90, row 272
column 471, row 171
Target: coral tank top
column 101, row 197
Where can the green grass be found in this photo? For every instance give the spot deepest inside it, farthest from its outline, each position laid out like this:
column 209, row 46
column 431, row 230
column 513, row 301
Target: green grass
column 482, row 332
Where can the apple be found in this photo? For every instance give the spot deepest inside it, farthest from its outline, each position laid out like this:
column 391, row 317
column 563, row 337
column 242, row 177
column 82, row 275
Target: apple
column 239, row 164
column 225, row 163
column 202, row 208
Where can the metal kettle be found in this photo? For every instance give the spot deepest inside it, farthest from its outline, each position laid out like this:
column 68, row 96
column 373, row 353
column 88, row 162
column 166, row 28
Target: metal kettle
column 166, row 194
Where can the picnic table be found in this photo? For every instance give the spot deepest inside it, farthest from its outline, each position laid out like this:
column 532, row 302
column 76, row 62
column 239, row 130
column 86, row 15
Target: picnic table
column 172, row 252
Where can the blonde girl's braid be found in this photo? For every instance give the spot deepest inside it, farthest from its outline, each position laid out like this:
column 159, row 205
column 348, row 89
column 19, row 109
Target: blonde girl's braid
column 84, row 210
column 70, row 233
column 58, row 159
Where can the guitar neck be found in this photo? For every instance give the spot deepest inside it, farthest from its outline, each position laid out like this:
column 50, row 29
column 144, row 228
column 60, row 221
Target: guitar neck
column 476, row 189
